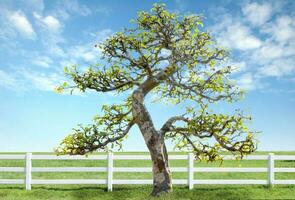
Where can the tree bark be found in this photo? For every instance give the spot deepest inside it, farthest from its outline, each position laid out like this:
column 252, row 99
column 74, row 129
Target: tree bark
column 162, row 180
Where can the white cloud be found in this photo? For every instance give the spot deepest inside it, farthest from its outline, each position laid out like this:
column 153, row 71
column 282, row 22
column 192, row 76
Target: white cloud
column 246, row 81
column 42, row 61
column 6, row 80
column 235, row 35
column 240, row 37
column 33, row 5
column 50, row 22
column 272, row 55
column 86, row 52
column 283, row 30
column 270, row 51
column 66, row 8
column 51, row 36
column 280, row 67
column 74, row 7
column 89, row 56
column 237, row 66
column 55, row 49
column 257, row 13
column 42, row 81
column 26, row 80
column 276, row 55
column 103, row 34
column 99, row 35
column 20, row 22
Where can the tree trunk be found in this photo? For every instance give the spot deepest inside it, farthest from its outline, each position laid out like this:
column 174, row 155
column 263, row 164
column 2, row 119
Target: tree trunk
column 162, row 181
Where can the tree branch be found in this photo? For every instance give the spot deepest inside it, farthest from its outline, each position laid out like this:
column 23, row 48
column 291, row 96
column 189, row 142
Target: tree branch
column 89, row 139
column 224, row 129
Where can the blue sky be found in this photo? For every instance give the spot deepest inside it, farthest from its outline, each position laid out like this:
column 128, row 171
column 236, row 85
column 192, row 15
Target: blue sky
column 38, row 38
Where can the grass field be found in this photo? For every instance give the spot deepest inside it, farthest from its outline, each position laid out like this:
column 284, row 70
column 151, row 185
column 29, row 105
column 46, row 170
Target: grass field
column 89, row 192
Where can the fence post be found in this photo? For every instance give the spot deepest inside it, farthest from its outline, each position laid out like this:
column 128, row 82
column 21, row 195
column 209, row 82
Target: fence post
column 271, row 174
column 110, row 171
column 28, row 170
column 190, row 171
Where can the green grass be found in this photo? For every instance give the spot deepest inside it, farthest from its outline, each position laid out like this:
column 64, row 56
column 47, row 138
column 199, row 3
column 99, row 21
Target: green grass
column 54, row 192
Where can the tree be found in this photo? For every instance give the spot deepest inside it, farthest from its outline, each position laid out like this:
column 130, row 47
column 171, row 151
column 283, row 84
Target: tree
column 171, row 56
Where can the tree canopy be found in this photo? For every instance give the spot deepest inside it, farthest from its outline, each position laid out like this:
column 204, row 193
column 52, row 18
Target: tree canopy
column 173, row 57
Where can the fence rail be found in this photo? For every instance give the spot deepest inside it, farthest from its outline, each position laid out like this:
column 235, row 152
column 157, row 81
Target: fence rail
column 110, row 169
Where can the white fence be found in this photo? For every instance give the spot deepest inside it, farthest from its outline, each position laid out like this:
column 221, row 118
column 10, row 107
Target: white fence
column 28, row 169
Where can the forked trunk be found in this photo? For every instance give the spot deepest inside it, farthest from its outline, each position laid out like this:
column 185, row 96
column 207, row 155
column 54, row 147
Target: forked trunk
column 162, row 181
